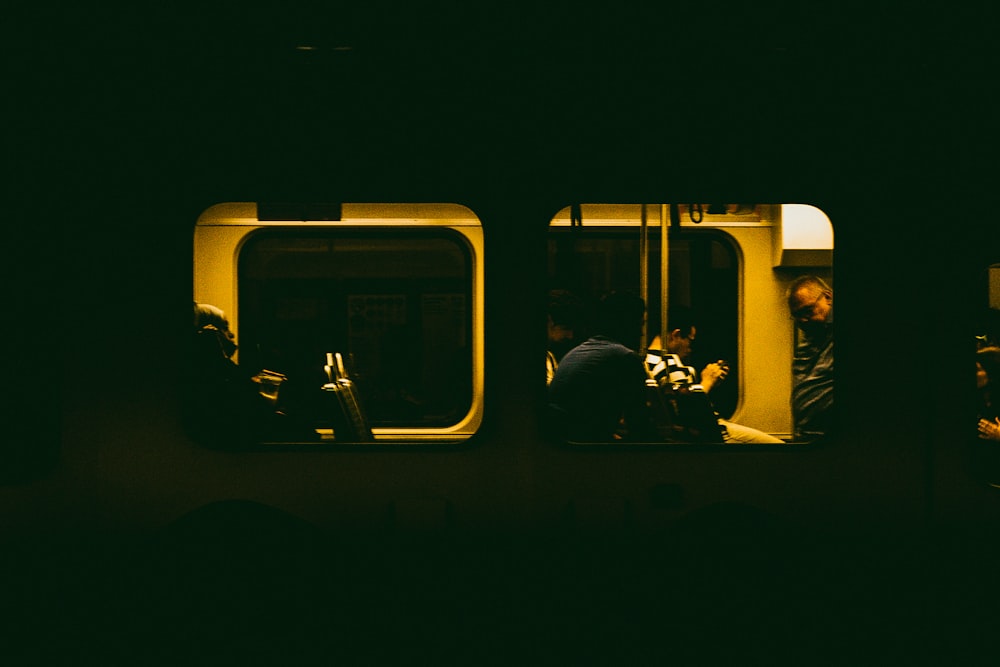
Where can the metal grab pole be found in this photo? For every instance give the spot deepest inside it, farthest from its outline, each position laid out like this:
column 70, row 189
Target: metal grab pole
column 644, row 273
column 664, row 271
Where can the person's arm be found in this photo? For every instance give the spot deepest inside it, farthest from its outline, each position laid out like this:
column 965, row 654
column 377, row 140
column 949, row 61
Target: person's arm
column 712, row 374
column 639, row 424
column 989, row 430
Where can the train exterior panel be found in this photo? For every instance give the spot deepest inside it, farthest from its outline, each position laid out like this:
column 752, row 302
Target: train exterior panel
column 143, row 160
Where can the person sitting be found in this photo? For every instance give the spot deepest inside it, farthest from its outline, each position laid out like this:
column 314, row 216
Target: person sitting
column 564, row 328
column 226, row 405
column 987, row 374
column 810, row 304
column 665, row 360
column 598, row 392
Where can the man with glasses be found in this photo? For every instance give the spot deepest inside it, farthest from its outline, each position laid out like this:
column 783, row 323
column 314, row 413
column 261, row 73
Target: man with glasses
column 810, row 302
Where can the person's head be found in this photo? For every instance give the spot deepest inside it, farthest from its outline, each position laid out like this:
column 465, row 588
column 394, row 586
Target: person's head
column 987, row 366
column 988, row 328
column 565, row 316
column 620, row 316
column 681, row 332
column 207, row 315
column 810, row 302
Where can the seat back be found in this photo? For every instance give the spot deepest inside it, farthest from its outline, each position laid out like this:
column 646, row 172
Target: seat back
column 350, row 423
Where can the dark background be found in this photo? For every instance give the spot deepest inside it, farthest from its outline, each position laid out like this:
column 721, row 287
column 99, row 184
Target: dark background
column 880, row 118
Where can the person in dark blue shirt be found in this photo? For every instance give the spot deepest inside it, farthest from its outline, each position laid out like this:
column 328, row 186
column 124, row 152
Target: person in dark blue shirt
column 598, row 393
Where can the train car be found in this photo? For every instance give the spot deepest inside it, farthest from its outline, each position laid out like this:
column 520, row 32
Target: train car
column 381, row 223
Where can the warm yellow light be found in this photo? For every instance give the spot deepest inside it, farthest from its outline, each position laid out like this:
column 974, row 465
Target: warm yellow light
column 805, row 227
column 995, row 286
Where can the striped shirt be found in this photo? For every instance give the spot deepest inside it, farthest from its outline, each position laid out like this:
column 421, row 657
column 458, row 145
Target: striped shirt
column 690, row 414
column 667, row 368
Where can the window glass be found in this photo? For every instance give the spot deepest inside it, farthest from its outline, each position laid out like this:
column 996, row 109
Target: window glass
column 702, row 270
column 721, row 358
column 363, row 326
column 396, row 307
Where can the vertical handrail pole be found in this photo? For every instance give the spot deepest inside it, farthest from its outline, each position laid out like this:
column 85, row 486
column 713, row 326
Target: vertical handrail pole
column 664, row 271
column 644, row 272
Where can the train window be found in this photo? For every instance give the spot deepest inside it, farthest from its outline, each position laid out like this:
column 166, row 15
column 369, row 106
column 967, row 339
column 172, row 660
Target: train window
column 714, row 324
column 354, row 323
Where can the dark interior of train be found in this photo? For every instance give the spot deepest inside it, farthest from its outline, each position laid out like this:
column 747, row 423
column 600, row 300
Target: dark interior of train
column 406, row 328
column 702, row 271
column 126, row 542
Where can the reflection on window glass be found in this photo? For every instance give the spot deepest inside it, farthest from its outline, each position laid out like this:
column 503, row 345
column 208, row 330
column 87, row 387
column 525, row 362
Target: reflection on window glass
column 395, row 307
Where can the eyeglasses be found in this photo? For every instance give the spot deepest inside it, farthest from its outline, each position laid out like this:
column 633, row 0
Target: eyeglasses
column 807, row 310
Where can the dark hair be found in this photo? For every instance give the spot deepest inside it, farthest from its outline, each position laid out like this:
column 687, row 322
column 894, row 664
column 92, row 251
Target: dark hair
column 566, row 309
column 680, row 317
column 989, row 359
column 619, row 316
column 988, row 328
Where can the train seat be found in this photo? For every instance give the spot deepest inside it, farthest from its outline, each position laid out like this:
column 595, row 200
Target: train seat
column 349, row 420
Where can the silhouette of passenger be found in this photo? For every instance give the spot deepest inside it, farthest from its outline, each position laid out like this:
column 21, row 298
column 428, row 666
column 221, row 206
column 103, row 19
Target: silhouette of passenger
column 987, row 378
column 598, row 392
column 988, row 329
column 566, row 314
column 678, row 343
column 226, row 405
column 810, row 303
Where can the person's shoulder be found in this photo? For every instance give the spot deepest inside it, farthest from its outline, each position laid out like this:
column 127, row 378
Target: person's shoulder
column 617, row 349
